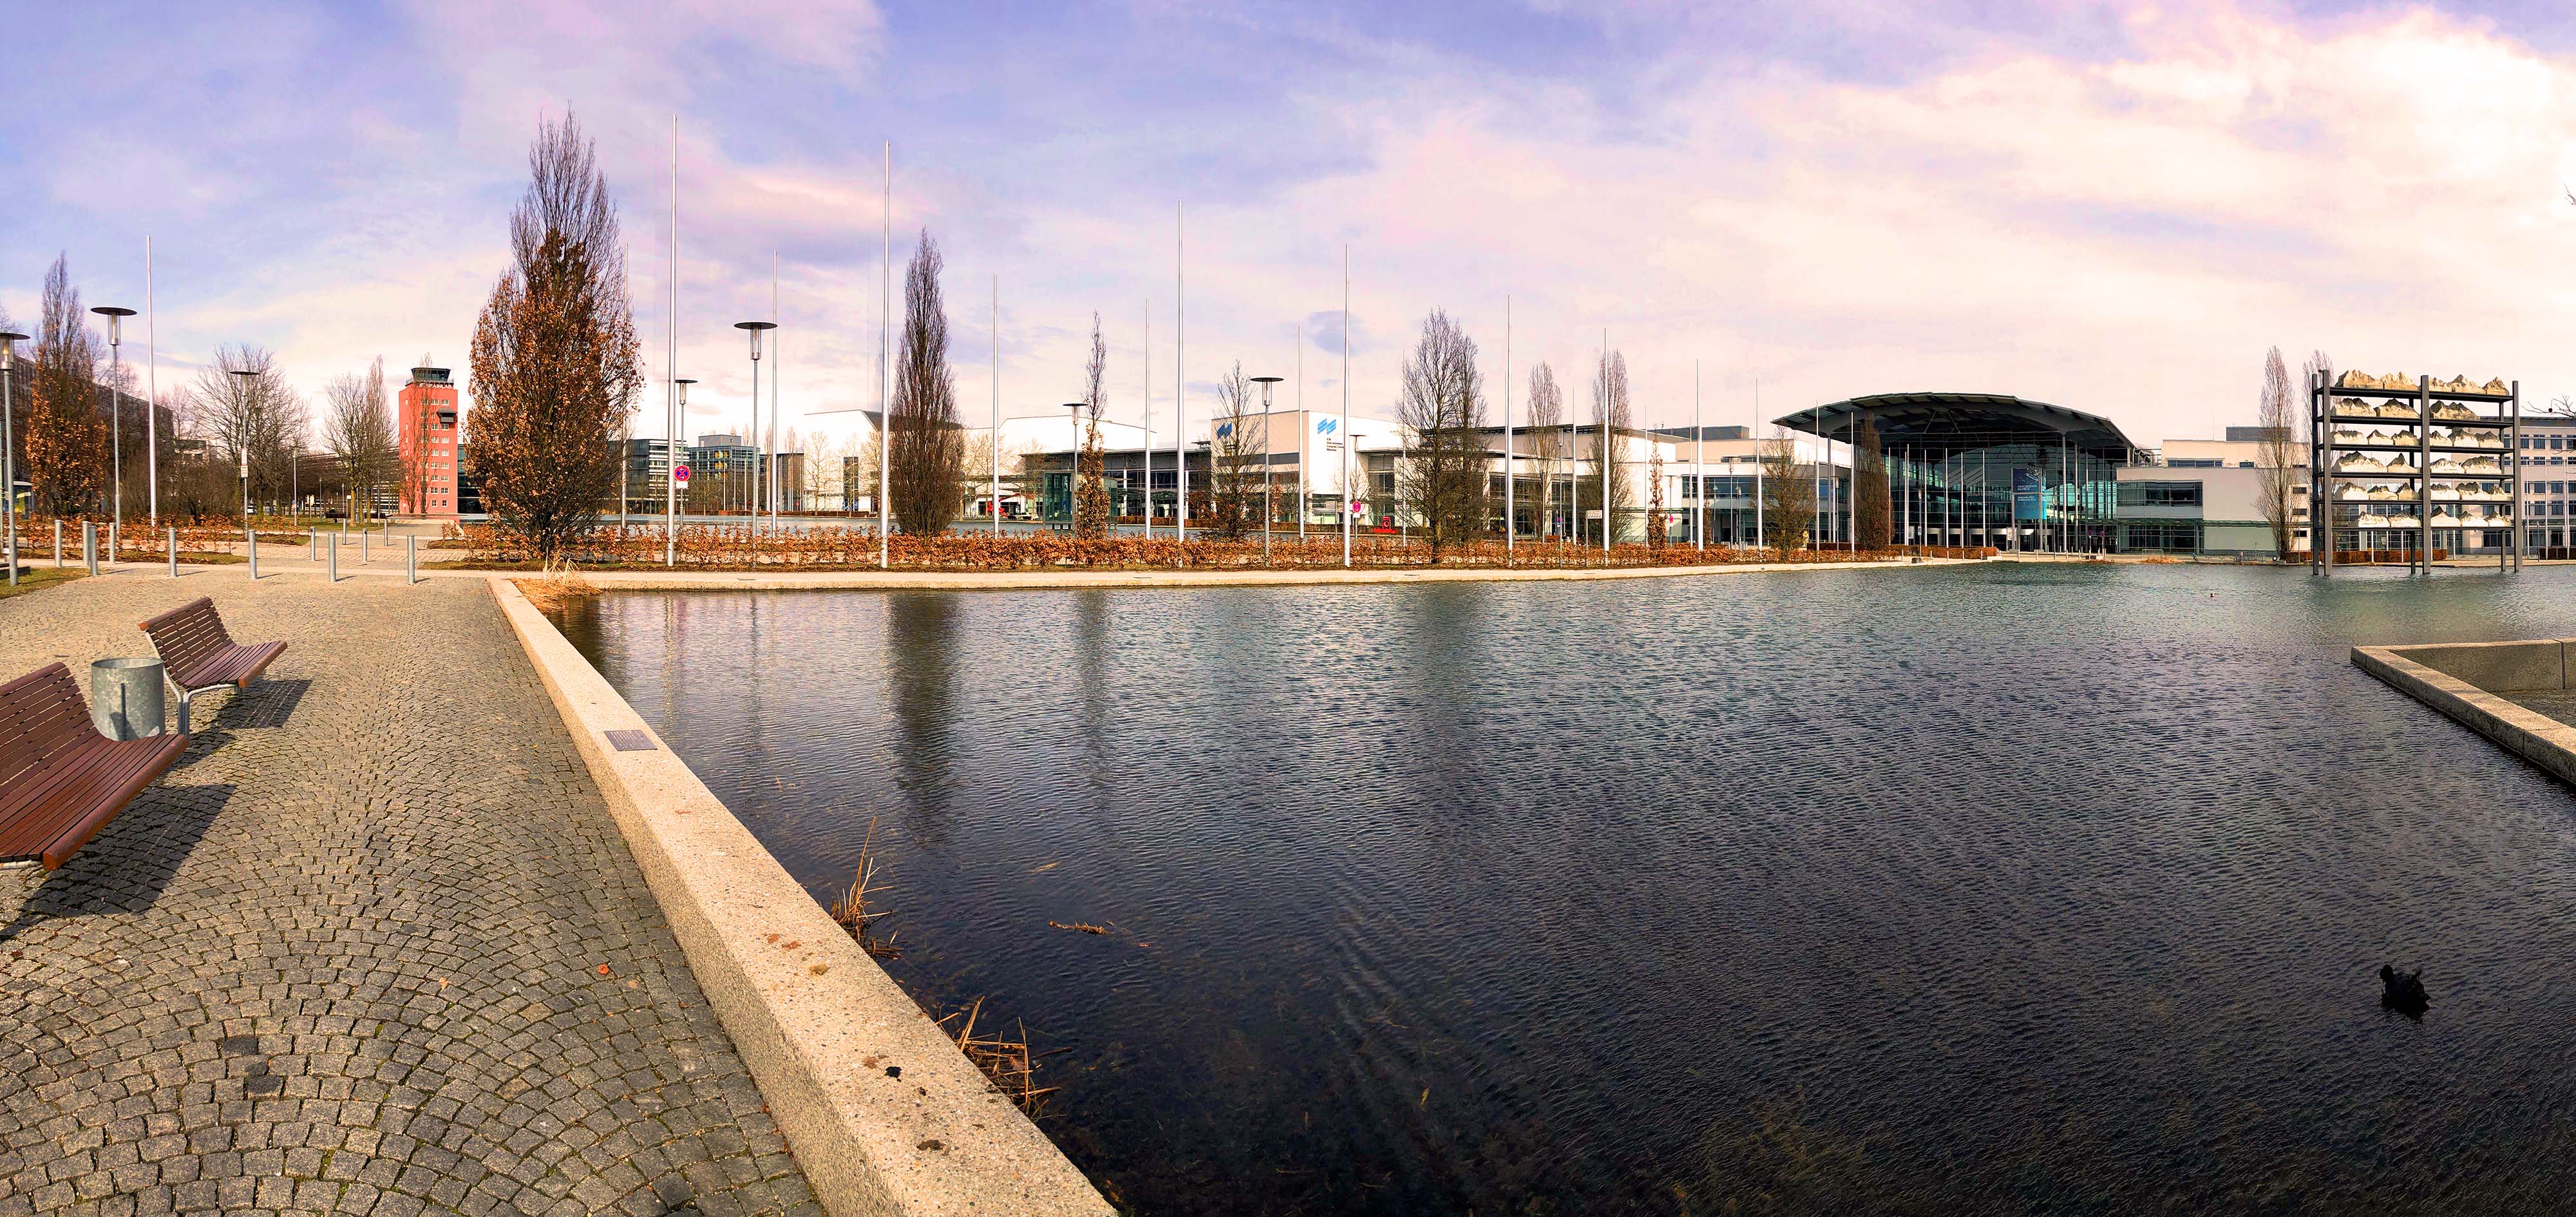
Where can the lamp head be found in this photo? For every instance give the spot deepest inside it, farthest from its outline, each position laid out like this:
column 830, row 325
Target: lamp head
column 113, row 315
column 755, row 327
column 684, row 383
column 9, row 340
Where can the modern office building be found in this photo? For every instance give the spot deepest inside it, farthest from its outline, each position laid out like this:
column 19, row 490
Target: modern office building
column 1989, row 469
column 2205, row 497
column 647, row 478
column 427, row 435
column 2548, row 464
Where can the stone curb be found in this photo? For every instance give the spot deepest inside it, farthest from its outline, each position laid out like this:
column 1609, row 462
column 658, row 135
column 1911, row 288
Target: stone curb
column 2527, row 733
column 884, row 1114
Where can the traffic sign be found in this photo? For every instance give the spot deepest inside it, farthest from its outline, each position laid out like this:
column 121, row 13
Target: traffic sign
column 680, row 475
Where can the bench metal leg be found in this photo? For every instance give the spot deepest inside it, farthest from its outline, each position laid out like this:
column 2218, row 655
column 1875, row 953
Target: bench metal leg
column 184, row 696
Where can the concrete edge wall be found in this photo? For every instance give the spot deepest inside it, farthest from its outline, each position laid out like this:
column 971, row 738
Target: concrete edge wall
column 818, row 1022
column 2539, row 663
column 2527, row 733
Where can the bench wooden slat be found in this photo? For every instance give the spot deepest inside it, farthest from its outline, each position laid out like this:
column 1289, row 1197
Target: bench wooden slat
column 60, row 780
column 199, row 653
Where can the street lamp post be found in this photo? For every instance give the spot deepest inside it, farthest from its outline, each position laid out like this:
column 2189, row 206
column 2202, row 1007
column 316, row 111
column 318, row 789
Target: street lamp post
column 1073, row 475
column 9, row 340
column 246, row 379
column 755, row 327
column 1269, row 514
column 115, row 422
column 671, row 461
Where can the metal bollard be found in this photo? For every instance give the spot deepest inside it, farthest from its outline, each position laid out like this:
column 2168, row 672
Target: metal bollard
column 253, row 549
column 411, row 557
column 113, row 548
column 314, row 550
column 363, row 534
column 335, row 557
column 174, row 553
column 58, row 543
column 89, row 545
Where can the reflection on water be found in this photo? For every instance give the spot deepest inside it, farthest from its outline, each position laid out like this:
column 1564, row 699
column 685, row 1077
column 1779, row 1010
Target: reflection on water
column 2018, row 888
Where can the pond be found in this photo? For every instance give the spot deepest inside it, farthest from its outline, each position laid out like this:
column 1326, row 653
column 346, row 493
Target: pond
column 2009, row 887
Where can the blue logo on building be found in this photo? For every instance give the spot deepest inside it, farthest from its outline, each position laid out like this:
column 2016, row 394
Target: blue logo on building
column 1224, row 429
column 1327, row 426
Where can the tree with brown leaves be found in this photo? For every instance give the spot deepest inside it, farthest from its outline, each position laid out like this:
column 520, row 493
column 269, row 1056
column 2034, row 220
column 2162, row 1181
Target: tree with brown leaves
column 1656, row 529
column 556, row 363
column 64, row 432
column 1870, row 491
column 1091, row 483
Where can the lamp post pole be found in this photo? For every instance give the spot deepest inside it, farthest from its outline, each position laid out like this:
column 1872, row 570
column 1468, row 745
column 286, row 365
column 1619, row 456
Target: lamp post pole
column 115, row 422
column 246, row 380
column 1269, row 513
column 9, row 340
column 755, row 328
column 671, row 485
column 1073, row 469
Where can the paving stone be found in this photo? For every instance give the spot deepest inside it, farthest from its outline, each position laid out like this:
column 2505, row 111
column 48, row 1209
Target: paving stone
column 344, row 957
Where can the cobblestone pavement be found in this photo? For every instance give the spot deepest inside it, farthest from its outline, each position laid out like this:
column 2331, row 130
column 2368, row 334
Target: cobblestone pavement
column 373, row 946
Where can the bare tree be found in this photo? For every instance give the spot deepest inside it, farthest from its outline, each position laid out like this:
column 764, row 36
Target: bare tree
column 1610, row 411
column 1091, row 486
column 1870, row 492
column 1548, row 446
column 1442, row 473
column 925, row 449
column 1788, row 492
column 556, row 362
column 1232, row 456
column 2276, row 477
column 360, row 435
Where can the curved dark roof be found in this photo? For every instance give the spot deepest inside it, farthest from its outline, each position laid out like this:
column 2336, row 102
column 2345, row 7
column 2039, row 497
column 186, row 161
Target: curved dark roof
column 1962, row 422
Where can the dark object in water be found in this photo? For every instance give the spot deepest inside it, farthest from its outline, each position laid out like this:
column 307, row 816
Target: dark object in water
column 2403, row 991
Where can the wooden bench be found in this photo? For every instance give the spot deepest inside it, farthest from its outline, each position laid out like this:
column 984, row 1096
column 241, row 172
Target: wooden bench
column 60, row 780
column 198, row 654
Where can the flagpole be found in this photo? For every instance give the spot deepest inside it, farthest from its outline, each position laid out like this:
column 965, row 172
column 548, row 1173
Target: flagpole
column 1347, row 441
column 885, row 371
column 1145, row 381
column 151, row 390
column 993, row 448
column 1508, row 530
column 776, row 365
column 671, row 420
column 1180, row 395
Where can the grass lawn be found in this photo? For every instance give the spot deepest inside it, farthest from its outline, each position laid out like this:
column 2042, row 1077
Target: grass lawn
column 38, row 578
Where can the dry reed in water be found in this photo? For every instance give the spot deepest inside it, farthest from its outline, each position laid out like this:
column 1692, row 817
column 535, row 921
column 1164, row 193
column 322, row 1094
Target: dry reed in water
column 1006, row 1061
column 852, row 910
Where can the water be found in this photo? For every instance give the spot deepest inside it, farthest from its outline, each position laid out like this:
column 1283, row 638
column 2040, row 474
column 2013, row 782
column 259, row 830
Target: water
column 2009, row 888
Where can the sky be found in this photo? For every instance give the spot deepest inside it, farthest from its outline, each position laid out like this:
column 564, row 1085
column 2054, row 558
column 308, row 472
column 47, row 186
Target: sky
column 2116, row 208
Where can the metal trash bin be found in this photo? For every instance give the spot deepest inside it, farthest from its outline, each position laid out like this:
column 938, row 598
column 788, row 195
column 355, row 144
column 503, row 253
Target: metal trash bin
column 125, row 698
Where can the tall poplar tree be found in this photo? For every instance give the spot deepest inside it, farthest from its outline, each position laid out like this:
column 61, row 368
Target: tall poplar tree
column 926, row 450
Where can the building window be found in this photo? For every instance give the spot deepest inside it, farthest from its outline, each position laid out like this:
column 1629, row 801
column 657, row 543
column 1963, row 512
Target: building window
column 2160, row 494
column 2173, row 537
